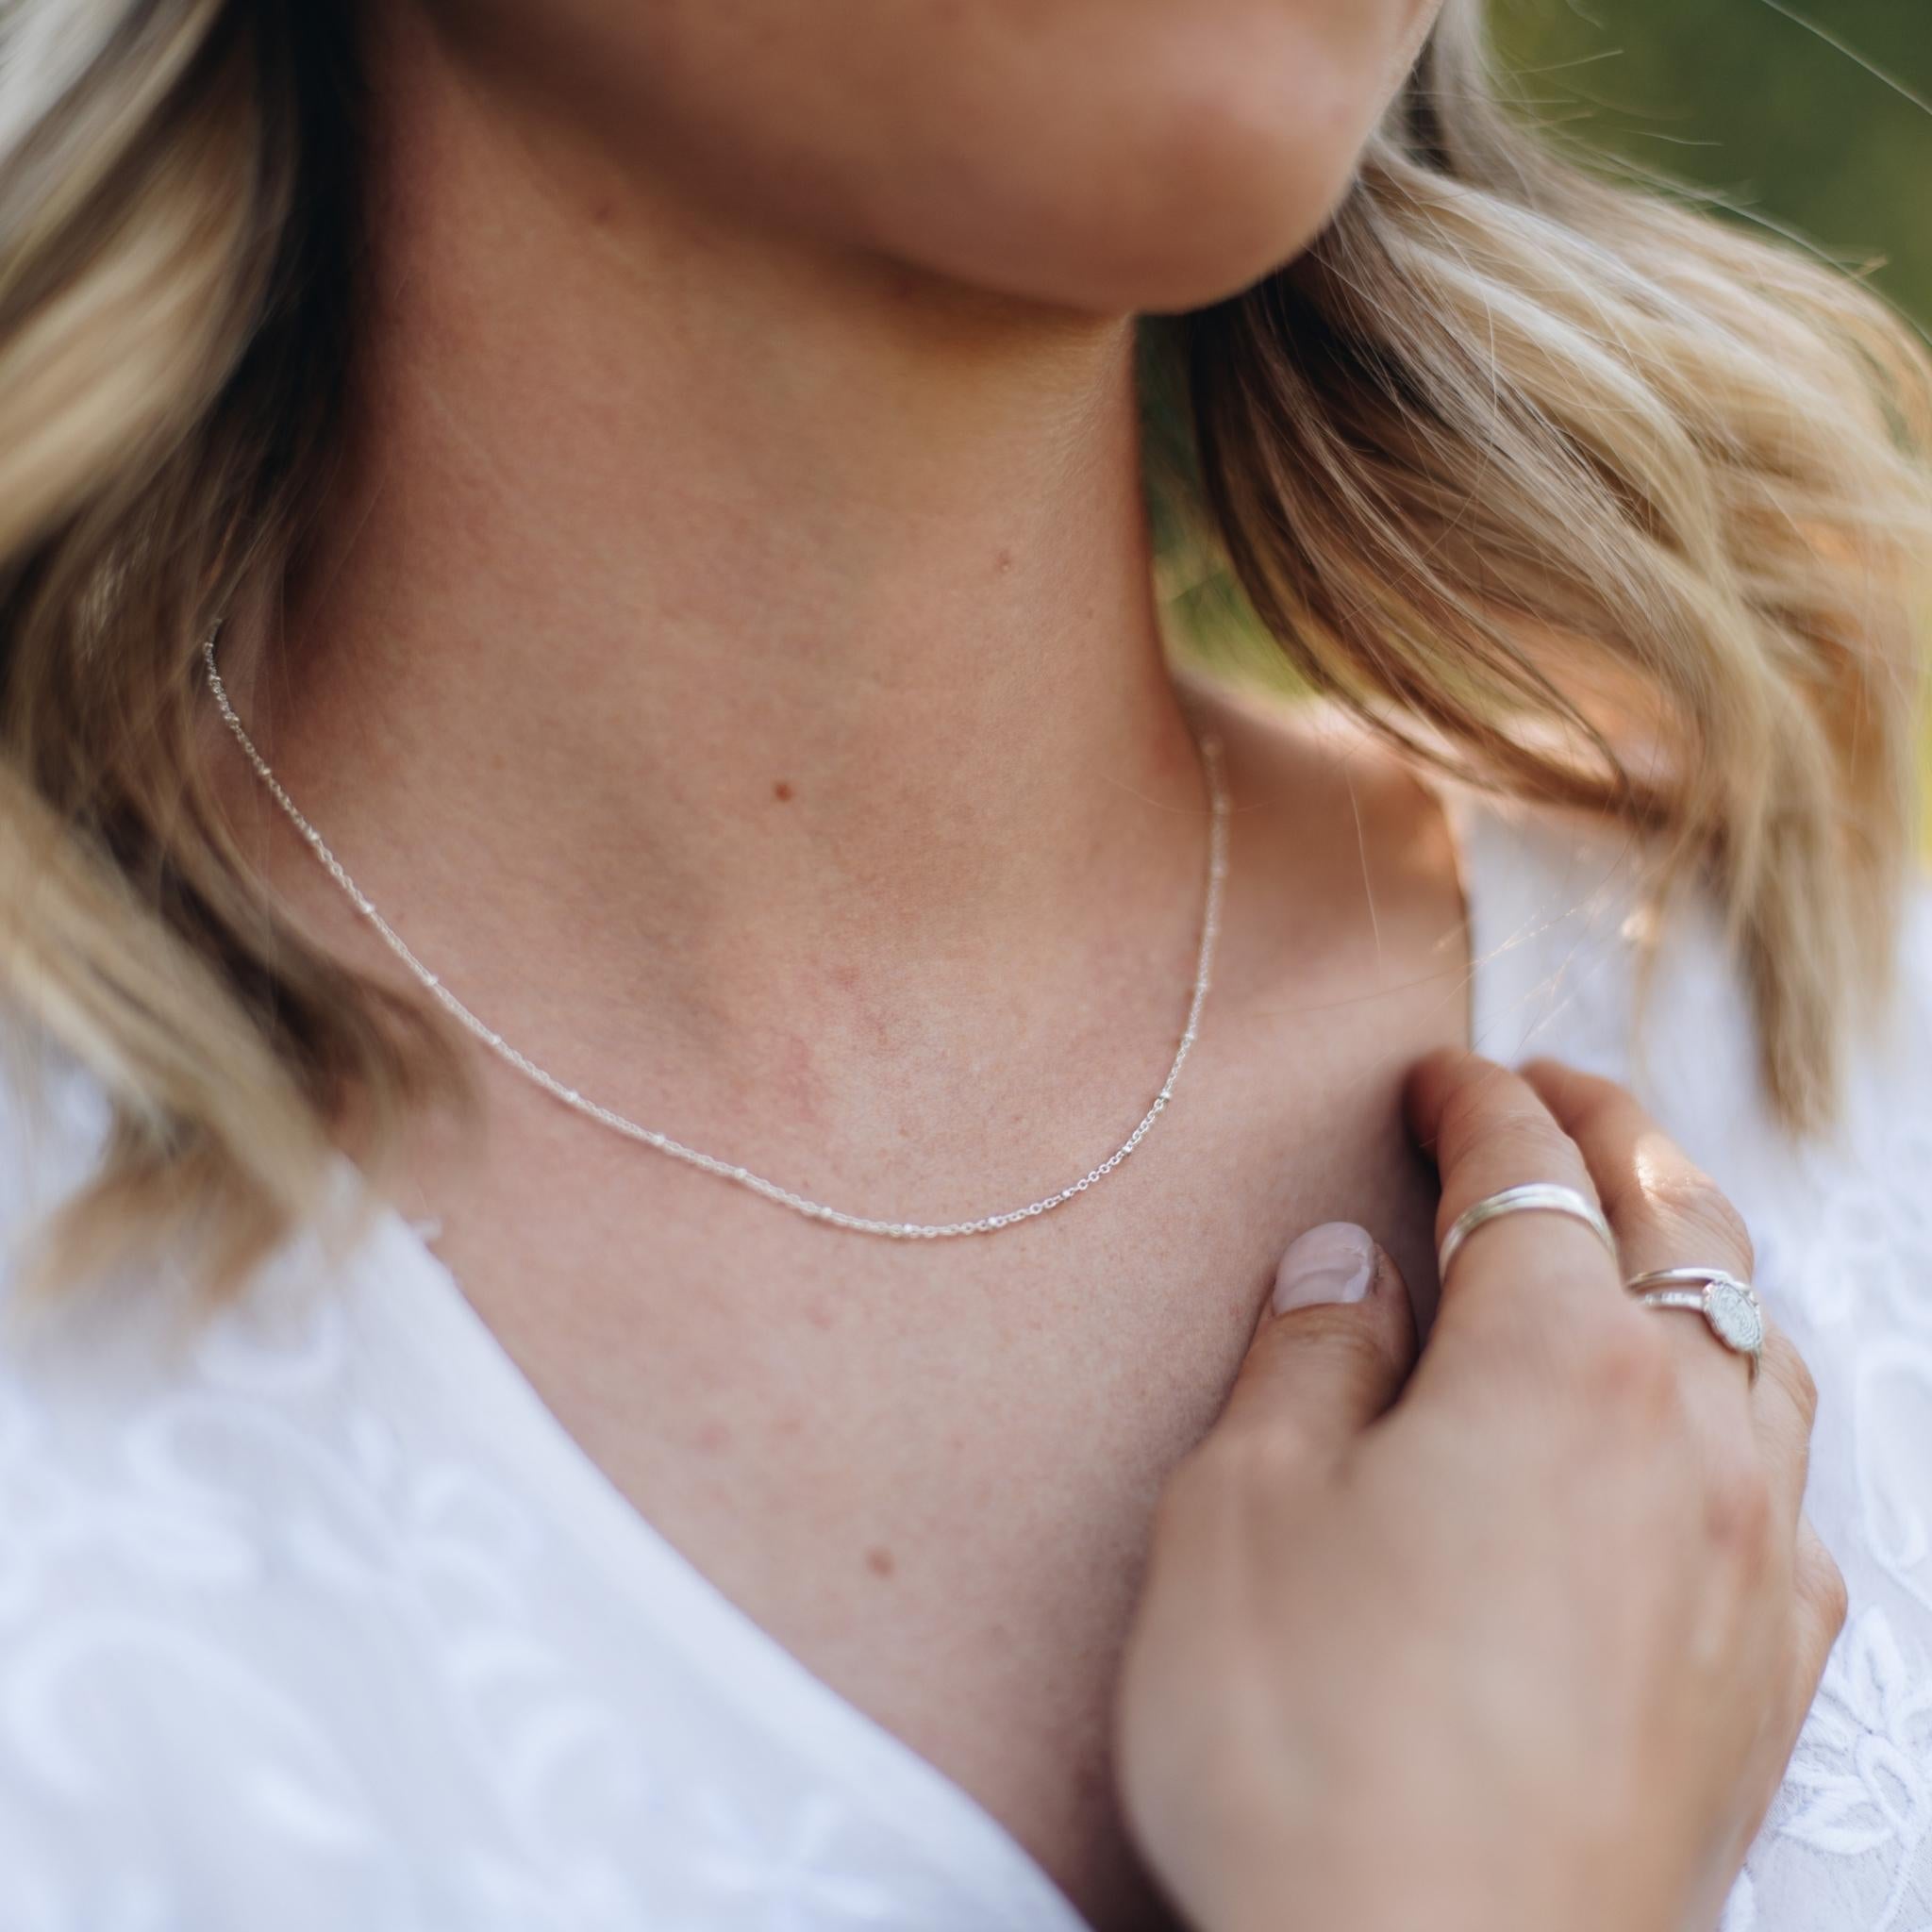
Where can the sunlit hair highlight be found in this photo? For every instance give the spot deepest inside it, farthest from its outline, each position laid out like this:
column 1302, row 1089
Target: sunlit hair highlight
column 1590, row 498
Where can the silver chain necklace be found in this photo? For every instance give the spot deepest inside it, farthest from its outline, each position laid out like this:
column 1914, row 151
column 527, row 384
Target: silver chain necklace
column 709, row 1163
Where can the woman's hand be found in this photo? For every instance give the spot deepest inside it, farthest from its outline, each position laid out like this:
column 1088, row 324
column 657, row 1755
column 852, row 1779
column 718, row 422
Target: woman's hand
column 1523, row 1645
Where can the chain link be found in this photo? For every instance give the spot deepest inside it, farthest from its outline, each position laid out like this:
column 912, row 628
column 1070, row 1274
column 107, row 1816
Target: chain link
column 710, row 1163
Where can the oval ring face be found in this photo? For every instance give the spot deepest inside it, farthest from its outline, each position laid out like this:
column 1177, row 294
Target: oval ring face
column 1732, row 1311
column 1729, row 1308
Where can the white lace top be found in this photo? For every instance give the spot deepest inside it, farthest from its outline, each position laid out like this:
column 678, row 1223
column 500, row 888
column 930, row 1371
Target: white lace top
column 316, row 1620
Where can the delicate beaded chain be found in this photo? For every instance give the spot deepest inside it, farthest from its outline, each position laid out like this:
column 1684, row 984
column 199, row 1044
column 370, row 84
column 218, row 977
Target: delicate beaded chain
column 709, row 1163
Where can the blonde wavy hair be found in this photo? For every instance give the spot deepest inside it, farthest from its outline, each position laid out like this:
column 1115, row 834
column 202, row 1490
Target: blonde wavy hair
column 1564, row 485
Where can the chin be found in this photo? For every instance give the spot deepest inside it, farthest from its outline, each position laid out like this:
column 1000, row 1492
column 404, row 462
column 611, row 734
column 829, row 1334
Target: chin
column 1209, row 214
column 1102, row 154
column 1157, row 188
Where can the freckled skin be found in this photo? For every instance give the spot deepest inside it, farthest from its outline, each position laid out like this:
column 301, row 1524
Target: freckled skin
column 970, row 197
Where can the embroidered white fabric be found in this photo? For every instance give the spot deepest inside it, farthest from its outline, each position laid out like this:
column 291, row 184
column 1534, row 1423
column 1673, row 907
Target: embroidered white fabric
column 316, row 1619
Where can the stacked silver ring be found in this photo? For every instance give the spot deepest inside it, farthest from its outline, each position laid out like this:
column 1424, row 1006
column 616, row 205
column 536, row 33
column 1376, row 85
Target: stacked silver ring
column 1533, row 1197
column 1729, row 1305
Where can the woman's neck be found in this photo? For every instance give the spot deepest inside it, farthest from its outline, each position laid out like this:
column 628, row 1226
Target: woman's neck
column 716, row 602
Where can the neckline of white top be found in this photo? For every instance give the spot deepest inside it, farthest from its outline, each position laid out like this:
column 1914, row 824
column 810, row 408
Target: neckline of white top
column 741, row 1659
column 744, row 1662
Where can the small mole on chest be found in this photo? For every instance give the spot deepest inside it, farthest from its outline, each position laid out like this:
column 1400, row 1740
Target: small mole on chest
column 781, row 790
column 880, row 1561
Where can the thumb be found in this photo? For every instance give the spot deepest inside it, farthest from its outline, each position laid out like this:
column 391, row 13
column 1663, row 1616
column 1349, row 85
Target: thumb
column 1334, row 1345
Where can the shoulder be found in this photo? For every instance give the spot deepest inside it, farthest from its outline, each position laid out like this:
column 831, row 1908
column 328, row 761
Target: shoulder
column 1344, row 888
column 1542, row 917
column 1323, row 779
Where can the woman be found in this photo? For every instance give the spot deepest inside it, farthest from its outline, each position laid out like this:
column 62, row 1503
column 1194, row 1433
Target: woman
column 660, row 490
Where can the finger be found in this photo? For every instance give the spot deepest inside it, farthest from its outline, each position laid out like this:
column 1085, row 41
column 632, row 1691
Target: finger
column 1818, row 1616
column 1784, row 1409
column 1331, row 1350
column 1668, row 1214
column 1667, row 1211
column 1822, row 1606
column 1487, row 1130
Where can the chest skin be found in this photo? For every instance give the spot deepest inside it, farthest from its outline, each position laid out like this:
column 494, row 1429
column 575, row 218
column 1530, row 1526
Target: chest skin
column 929, row 1470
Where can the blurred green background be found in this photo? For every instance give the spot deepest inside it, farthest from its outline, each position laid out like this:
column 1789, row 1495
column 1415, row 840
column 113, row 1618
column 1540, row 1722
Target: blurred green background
column 1774, row 104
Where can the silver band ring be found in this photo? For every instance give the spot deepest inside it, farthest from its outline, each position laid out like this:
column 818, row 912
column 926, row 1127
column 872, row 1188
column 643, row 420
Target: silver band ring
column 1729, row 1307
column 1533, row 1197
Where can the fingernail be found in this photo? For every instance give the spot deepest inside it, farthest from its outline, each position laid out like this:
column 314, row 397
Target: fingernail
column 1335, row 1262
